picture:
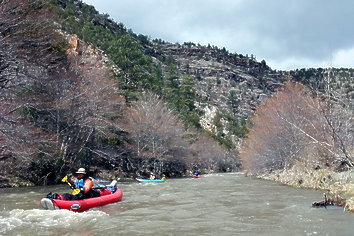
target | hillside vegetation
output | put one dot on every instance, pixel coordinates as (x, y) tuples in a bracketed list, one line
[(79, 89), (65, 103)]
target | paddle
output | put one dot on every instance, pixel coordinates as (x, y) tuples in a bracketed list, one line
[(72, 186)]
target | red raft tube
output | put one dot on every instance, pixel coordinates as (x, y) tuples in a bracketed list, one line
[(107, 197)]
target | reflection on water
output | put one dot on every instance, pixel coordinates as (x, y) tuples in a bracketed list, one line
[(216, 204)]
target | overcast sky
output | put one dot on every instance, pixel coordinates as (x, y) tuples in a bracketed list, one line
[(287, 34)]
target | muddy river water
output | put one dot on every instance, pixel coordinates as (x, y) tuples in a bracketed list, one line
[(215, 204)]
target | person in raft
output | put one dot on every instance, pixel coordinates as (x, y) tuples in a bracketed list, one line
[(152, 176), (84, 184)]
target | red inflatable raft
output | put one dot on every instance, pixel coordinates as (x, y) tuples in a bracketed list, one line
[(82, 205)]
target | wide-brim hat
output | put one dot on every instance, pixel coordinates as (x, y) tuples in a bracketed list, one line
[(81, 171)]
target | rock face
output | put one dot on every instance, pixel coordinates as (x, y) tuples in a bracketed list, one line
[(227, 83), (224, 82), (235, 84)]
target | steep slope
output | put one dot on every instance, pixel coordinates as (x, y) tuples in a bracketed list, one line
[(79, 89), (65, 102), (54, 93), (336, 83), (211, 87), (224, 82)]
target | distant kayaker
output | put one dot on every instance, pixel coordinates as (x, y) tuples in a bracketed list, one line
[(152, 176), (196, 175), (84, 184)]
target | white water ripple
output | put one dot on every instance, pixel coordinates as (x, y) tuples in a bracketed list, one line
[(36, 218)]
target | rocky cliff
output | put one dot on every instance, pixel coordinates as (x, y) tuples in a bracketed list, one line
[(224, 82)]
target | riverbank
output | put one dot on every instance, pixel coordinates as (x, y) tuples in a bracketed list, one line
[(339, 185), (10, 181)]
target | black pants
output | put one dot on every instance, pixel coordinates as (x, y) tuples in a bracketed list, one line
[(90, 194)]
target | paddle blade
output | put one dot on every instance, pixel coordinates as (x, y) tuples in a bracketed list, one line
[(76, 191), (65, 179)]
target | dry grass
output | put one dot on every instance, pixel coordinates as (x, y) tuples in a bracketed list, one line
[(337, 184)]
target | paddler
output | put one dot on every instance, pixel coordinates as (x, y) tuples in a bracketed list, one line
[(84, 184)]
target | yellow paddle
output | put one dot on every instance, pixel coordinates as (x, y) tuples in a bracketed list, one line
[(72, 186)]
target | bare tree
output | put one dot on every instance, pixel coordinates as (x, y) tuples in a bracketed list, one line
[(87, 100), (57, 100), (208, 155), (157, 133), (165, 146), (26, 54), (293, 126)]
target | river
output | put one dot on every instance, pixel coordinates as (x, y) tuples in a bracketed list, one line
[(215, 204)]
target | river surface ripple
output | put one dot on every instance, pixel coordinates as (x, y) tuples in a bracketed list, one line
[(215, 204)]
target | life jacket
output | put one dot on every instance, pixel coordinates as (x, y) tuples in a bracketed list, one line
[(80, 183)]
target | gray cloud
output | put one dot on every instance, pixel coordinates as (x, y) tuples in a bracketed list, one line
[(287, 34)]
